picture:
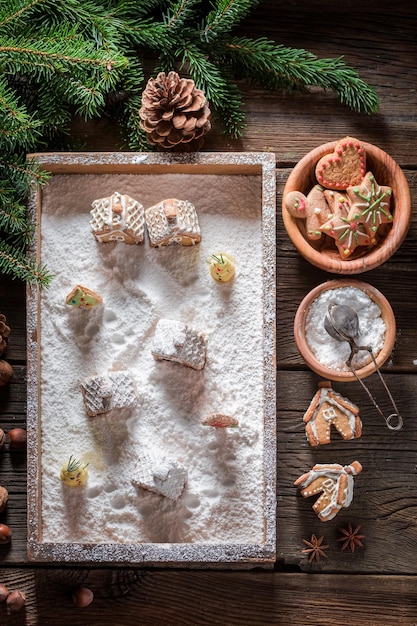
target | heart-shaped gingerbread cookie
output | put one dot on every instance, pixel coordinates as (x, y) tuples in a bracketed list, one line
[(343, 167)]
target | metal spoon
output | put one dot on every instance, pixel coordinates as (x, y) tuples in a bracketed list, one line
[(342, 323)]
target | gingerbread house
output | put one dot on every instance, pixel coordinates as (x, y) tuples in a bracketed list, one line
[(328, 408), (176, 341), (334, 483), (160, 474), (171, 221), (105, 392), (118, 218)]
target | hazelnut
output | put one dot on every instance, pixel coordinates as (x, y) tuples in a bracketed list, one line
[(6, 373), (16, 600), (5, 534), (17, 438), (2, 438), (82, 597), (4, 592), (4, 496), (4, 333)]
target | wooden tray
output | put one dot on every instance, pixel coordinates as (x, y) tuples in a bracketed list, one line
[(220, 185)]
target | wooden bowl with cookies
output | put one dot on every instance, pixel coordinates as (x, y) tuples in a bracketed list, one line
[(346, 206)]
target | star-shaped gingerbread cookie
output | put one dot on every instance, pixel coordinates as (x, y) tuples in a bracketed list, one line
[(348, 234), (370, 204)]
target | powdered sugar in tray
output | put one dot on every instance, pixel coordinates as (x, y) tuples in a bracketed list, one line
[(223, 499)]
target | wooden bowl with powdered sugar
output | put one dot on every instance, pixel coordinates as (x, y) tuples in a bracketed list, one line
[(325, 355)]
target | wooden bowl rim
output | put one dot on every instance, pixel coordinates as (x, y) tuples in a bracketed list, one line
[(376, 256), (299, 330)]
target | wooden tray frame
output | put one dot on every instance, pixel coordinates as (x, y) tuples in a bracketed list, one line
[(146, 554)]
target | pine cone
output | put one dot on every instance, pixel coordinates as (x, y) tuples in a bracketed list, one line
[(174, 112), (4, 333)]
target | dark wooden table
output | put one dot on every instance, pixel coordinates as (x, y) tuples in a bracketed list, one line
[(377, 584)]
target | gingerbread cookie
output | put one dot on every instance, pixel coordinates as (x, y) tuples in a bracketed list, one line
[(333, 482), (338, 202), (313, 208), (296, 204), (328, 408), (370, 204), (220, 420), (344, 167), (83, 298), (348, 234)]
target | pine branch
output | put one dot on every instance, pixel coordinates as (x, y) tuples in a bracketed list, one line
[(179, 14), (15, 263), (222, 94), (21, 173), (277, 67), (146, 34), (226, 15), (12, 214), (17, 127)]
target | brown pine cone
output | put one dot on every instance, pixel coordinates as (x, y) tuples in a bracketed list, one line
[(4, 333), (174, 112)]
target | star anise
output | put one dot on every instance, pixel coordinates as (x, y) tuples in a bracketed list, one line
[(315, 548), (351, 537)]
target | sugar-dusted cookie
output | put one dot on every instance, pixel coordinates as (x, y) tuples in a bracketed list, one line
[(343, 167), (160, 474), (103, 393), (83, 298), (220, 420), (333, 482), (172, 220), (328, 408), (118, 218), (176, 341), (370, 204)]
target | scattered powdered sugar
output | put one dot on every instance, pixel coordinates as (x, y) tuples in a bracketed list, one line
[(333, 353), (223, 500)]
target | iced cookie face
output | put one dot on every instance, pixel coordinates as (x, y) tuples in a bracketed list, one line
[(74, 472)]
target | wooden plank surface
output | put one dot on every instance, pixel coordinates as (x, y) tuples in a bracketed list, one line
[(377, 583)]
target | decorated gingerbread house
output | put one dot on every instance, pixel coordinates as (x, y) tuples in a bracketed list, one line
[(118, 218), (171, 221), (328, 409), (333, 483)]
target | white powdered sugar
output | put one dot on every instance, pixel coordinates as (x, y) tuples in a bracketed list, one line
[(223, 498), (333, 353)]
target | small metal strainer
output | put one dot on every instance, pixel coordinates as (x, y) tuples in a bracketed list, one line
[(342, 323)]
